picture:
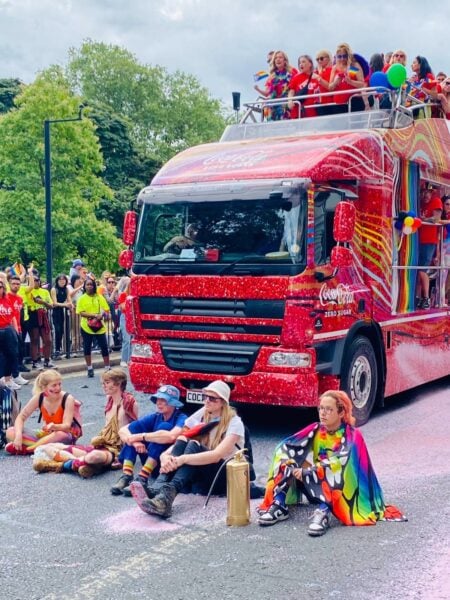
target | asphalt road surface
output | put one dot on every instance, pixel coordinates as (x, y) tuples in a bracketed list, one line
[(63, 537)]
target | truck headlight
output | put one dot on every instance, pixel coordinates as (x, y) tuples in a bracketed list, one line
[(141, 350), (290, 359)]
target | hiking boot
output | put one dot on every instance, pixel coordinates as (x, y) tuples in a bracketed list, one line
[(320, 522), (122, 483), (256, 491), (88, 471), (143, 481), (47, 466), (161, 504), (275, 513)]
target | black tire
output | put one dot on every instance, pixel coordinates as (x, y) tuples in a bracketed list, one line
[(359, 378)]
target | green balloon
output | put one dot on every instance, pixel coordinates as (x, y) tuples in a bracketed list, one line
[(396, 75)]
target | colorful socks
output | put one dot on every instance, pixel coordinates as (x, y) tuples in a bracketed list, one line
[(147, 469), (128, 467)]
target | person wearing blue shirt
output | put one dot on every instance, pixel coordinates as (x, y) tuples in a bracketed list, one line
[(149, 437)]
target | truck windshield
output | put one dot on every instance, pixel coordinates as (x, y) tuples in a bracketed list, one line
[(255, 236)]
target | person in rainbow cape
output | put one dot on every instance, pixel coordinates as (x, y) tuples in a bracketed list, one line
[(340, 478)]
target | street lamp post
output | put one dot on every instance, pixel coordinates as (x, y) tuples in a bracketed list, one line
[(48, 190)]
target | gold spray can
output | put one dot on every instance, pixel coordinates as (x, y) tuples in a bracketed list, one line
[(238, 491)]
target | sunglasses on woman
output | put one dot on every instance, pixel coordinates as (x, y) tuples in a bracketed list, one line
[(341, 56)]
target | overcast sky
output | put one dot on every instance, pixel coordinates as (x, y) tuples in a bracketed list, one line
[(222, 42)]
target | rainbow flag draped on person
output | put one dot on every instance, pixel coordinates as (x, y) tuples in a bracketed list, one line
[(345, 481)]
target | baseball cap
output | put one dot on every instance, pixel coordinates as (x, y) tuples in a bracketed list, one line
[(169, 393), (220, 388), (78, 263)]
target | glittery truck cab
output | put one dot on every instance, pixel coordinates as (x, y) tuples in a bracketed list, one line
[(279, 260)]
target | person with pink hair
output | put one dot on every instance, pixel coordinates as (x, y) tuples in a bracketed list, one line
[(327, 462)]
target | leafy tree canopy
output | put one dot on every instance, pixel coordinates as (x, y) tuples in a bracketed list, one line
[(9, 88), (77, 187)]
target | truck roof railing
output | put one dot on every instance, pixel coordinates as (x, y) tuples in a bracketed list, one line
[(403, 109)]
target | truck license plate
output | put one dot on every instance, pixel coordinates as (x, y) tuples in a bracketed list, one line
[(194, 396)]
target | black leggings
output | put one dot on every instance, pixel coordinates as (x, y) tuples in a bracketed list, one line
[(88, 339), (195, 479)]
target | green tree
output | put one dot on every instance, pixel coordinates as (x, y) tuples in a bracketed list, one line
[(77, 187), (167, 113), (9, 88)]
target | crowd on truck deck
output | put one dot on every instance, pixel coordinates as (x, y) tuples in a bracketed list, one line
[(340, 77)]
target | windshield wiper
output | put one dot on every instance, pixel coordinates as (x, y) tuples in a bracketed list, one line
[(228, 267), (159, 262)]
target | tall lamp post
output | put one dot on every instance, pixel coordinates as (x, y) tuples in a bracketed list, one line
[(48, 190)]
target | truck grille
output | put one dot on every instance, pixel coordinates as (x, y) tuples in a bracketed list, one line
[(209, 357), (199, 311)]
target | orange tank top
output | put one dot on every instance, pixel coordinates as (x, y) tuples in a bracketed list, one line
[(57, 417)]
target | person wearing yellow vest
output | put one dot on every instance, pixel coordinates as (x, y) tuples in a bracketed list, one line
[(39, 302), (93, 306)]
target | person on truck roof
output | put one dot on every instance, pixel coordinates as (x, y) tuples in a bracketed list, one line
[(328, 462)]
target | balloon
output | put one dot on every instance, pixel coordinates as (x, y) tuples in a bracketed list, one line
[(409, 221), (379, 79), (398, 225), (407, 230), (417, 223), (396, 75)]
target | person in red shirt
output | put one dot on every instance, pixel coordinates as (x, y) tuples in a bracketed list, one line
[(431, 211), (322, 76), (305, 85), (17, 302), (347, 74), (8, 337)]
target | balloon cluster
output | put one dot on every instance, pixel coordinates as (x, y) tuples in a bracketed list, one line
[(407, 222), (394, 77)]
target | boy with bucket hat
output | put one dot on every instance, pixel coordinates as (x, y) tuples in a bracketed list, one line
[(149, 437)]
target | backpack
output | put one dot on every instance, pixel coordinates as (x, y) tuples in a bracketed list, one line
[(76, 428), (9, 409)]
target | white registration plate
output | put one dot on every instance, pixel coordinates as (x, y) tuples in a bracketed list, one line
[(194, 396)]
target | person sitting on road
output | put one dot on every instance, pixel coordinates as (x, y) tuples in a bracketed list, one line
[(183, 242), (120, 410), (210, 437), (148, 437), (340, 477), (57, 408)]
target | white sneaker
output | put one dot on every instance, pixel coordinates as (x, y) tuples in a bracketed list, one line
[(124, 364), (12, 385), (21, 380)]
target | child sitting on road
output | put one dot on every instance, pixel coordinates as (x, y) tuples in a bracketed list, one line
[(59, 411), (120, 410)]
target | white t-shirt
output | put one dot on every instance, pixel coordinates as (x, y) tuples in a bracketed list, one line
[(235, 426)]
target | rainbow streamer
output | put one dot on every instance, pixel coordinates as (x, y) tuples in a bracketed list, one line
[(408, 251)]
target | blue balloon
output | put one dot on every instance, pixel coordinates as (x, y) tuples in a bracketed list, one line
[(379, 80)]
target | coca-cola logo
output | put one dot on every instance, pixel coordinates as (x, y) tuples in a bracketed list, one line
[(341, 294)]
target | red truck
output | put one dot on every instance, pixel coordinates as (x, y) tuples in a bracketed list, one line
[(272, 260)]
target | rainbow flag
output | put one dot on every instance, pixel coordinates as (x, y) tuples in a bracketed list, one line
[(260, 75)]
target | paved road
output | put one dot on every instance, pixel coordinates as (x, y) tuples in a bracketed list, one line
[(63, 537)]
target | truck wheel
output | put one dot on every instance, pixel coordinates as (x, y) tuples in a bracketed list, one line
[(359, 378)]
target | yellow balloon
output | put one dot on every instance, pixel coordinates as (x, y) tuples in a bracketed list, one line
[(409, 221)]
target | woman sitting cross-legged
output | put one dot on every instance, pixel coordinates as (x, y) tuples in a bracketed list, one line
[(120, 410), (195, 462), (341, 479), (59, 411)]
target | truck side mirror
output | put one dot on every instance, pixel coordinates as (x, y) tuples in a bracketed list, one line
[(344, 222), (129, 227), (341, 257), (126, 258)]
